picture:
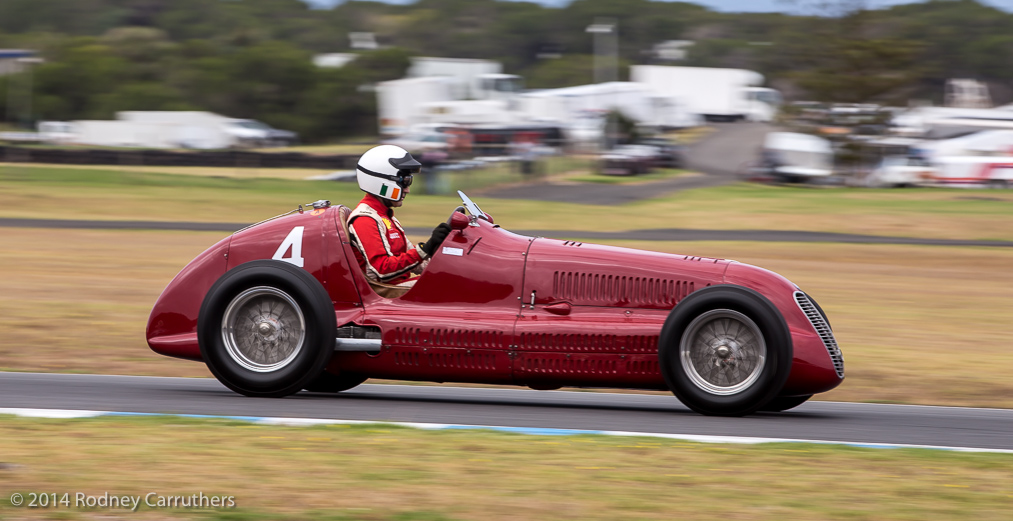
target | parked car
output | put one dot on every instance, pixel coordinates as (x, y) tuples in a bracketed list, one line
[(669, 153), (252, 133), (901, 171), (629, 160), (283, 306)]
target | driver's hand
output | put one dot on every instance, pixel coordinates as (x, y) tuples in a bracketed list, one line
[(436, 239)]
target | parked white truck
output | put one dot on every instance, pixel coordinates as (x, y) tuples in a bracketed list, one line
[(712, 93), (467, 79), (166, 129), (636, 101), (405, 103)]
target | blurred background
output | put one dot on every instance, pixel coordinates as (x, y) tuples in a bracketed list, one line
[(862, 149), (882, 89)]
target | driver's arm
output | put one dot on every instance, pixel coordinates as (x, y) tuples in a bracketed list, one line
[(381, 261)]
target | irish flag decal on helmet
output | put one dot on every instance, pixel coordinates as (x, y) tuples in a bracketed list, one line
[(394, 194)]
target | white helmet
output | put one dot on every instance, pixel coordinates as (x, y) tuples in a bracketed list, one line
[(385, 171)]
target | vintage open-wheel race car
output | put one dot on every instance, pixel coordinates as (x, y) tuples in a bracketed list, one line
[(283, 306)]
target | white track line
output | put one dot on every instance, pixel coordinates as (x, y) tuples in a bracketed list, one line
[(305, 422)]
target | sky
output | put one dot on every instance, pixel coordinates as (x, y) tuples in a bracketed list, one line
[(733, 5)]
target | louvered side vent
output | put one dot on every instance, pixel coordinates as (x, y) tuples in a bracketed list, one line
[(554, 365), (596, 288), (567, 342), (407, 336), (465, 338), (589, 343), (462, 360), (823, 328), (412, 359), (643, 367)]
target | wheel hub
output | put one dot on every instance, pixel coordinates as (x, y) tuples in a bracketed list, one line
[(268, 328), (263, 329), (722, 352)]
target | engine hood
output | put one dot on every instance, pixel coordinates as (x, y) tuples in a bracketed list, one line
[(596, 275)]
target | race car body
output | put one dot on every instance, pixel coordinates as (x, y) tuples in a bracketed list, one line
[(283, 306)]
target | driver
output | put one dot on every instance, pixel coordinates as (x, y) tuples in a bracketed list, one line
[(384, 252)]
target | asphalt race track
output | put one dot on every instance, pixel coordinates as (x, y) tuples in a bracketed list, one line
[(819, 421)]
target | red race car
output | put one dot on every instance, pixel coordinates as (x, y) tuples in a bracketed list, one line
[(283, 306)]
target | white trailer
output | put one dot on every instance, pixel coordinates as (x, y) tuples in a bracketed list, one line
[(399, 102), (111, 133), (464, 76), (166, 129), (467, 112), (713, 93), (981, 158), (189, 129), (634, 100)]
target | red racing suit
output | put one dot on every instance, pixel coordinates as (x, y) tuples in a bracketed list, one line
[(383, 250)]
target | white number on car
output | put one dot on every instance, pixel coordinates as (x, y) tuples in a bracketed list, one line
[(293, 241)]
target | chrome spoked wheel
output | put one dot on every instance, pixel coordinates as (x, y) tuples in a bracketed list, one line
[(263, 329), (723, 352)]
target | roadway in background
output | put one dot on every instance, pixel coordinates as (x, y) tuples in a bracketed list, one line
[(719, 157)]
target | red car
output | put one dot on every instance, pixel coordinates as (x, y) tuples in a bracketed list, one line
[(283, 306)]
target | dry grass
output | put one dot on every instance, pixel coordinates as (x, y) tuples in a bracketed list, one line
[(78, 300), (379, 473), (917, 324)]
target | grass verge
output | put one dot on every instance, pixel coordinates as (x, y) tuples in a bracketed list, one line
[(109, 194), (379, 472)]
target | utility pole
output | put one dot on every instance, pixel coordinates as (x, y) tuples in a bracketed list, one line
[(606, 64), (30, 64)]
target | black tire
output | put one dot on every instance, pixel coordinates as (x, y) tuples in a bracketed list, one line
[(334, 383), (755, 319), (783, 403), (299, 313)]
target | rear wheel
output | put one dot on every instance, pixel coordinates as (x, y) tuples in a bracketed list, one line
[(266, 328), (725, 350)]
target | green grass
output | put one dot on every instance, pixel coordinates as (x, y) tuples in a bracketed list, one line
[(930, 213), (380, 472)]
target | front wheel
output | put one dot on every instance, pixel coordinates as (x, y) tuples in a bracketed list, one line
[(266, 328), (725, 350)]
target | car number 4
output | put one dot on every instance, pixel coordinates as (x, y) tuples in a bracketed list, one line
[(293, 241)]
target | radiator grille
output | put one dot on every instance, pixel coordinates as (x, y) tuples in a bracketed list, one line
[(823, 328)]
